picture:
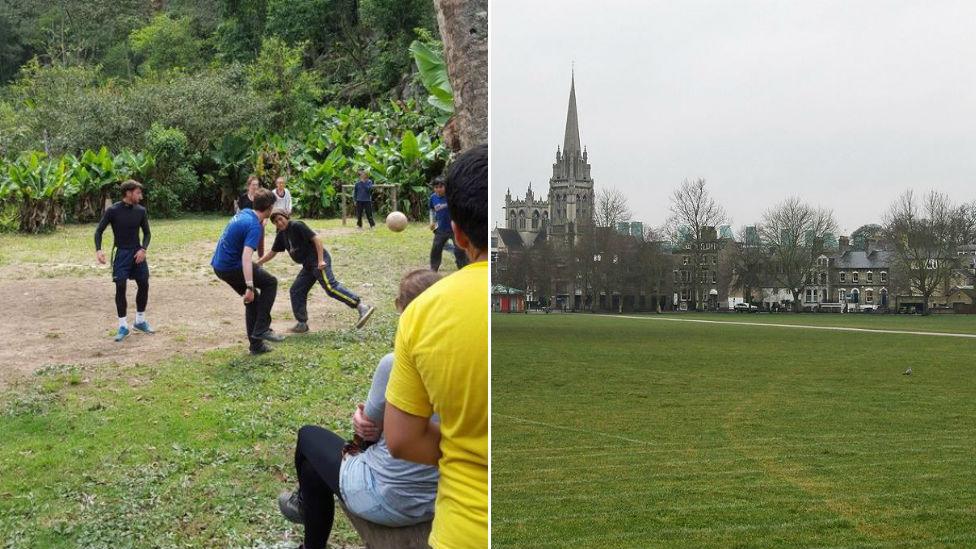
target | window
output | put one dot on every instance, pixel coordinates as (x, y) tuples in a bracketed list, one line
[(855, 276), (684, 294), (843, 277), (870, 276), (869, 296), (884, 276), (684, 260), (823, 278), (714, 278)]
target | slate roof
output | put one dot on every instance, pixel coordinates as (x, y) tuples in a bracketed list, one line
[(856, 259), (511, 239)]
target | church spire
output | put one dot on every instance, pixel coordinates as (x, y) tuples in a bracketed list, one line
[(571, 143)]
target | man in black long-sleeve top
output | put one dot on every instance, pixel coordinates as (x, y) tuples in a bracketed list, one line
[(127, 217)]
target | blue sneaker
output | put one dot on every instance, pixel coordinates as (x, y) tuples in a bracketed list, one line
[(143, 327), (122, 334)]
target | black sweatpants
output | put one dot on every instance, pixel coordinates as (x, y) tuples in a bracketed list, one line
[(257, 313), (318, 457), (142, 296), (367, 208), (307, 277), (437, 250)]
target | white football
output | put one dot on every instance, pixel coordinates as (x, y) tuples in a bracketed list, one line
[(396, 221)]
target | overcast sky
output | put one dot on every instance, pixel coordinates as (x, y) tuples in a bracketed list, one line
[(845, 104)]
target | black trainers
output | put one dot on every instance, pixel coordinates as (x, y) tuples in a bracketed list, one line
[(291, 506), (261, 349), (365, 311), (269, 335), (299, 328)]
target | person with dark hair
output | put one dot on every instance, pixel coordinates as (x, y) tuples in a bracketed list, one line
[(440, 223), (363, 195), (233, 263), (433, 373), (127, 217), (306, 249), (246, 200), (371, 483)]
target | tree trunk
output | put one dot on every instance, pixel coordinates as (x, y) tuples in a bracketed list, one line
[(464, 30)]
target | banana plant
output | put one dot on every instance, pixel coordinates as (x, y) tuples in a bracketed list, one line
[(433, 75), (40, 185)]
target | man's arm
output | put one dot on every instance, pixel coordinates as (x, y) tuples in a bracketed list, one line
[(319, 251), (248, 269), (411, 437), (99, 254), (266, 257), (146, 236)]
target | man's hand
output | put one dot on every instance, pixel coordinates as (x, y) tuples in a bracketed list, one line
[(100, 256), (248, 296), (363, 426), (321, 265), (140, 255), (433, 226)]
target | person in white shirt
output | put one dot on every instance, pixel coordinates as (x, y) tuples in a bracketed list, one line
[(282, 196)]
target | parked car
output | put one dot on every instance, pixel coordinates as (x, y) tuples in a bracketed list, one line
[(745, 308)]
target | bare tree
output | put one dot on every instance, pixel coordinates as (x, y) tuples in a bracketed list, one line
[(611, 208), (925, 233), (793, 234), (464, 30), (694, 216), (741, 264)]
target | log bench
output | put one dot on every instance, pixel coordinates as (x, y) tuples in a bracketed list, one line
[(376, 536)]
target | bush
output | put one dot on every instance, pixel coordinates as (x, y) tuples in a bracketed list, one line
[(172, 180)]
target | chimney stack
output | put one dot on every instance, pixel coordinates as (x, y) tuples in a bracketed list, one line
[(843, 244)]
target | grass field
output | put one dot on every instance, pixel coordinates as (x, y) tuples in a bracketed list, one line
[(619, 432), (169, 449)]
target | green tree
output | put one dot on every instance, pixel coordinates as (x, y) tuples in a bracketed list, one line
[(166, 43), (279, 77)]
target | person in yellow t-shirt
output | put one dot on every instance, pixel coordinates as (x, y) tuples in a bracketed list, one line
[(441, 366)]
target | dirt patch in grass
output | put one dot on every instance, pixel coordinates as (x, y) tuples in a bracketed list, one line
[(72, 320)]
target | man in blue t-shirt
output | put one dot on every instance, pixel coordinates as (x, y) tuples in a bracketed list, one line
[(363, 194), (233, 263), (440, 223)]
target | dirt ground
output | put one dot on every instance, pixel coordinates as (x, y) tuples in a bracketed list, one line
[(72, 320)]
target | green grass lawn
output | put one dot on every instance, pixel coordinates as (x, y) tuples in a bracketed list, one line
[(617, 432), (185, 452), (946, 323)]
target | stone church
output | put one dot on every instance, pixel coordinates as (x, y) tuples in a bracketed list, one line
[(570, 198)]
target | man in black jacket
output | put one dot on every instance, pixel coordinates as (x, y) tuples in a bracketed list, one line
[(127, 217), (306, 249)]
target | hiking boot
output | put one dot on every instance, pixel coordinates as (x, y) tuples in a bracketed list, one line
[(299, 328), (269, 335), (365, 311), (291, 506), (261, 349), (143, 327), (121, 334)]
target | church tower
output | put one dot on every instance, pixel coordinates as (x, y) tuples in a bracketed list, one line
[(570, 187)]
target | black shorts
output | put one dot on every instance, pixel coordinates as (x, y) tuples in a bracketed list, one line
[(124, 266)]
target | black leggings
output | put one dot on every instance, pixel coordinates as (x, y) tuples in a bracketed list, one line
[(142, 296), (318, 456)]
